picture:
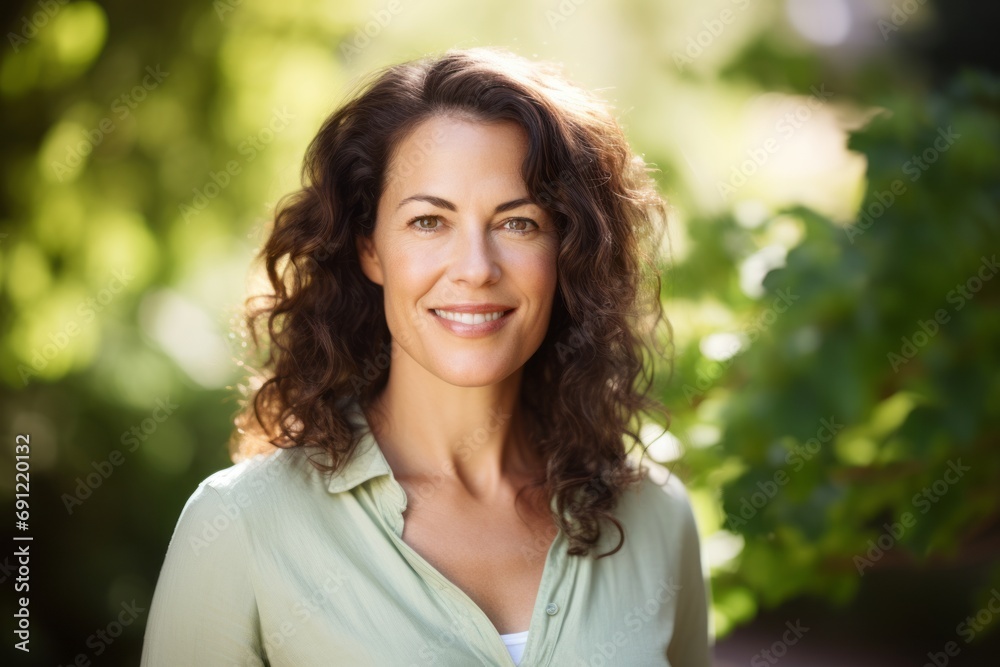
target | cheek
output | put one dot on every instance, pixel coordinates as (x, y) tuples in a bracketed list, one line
[(537, 273), (409, 276)]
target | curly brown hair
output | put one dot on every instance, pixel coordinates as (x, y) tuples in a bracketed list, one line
[(329, 342)]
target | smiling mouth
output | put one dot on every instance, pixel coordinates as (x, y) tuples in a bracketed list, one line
[(470, 318)]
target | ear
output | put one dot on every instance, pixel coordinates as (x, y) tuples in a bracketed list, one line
[(371, 266)]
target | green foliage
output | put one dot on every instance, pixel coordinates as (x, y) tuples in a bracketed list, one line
[(133, 202), (873, 400)]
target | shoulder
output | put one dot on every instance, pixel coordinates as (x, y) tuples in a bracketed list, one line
[(254, 496), (271, 472), (664, 489), (663, 482), (265, 484), (660, 504)]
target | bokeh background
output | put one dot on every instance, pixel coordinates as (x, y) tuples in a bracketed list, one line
[(832, 285)]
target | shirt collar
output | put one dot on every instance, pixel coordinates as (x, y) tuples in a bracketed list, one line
[(367, 460)]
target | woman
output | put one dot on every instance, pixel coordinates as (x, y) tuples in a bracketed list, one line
[(462, 292)]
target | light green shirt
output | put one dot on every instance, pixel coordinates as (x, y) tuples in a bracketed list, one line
[(272, 563)]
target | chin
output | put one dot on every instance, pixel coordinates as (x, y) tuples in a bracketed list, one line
[(475, 373)]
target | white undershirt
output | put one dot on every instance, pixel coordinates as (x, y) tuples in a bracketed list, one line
[(515, 642)]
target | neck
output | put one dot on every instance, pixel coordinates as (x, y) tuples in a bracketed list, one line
[(467, 438)]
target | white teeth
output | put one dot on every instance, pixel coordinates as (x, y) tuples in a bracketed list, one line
[(469, 318)]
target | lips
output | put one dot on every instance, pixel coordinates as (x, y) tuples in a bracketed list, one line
[(484, 320), (468, 317), (474, 307)]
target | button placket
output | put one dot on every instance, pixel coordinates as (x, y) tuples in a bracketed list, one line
[(391, 500), (474, 617), (558, 571)]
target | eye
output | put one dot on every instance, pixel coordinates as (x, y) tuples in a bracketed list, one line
[(415, 222), (518, 221)]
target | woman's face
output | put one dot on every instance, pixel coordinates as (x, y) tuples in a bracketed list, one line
[(455, 232)]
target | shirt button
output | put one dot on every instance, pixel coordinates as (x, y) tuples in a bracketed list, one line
[(551, 609)]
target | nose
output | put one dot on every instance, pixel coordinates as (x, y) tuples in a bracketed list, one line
[(474, 256)]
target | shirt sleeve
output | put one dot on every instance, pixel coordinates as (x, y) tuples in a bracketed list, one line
[(204, 611), (691, 645)]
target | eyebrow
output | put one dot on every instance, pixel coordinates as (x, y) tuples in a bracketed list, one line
[(444, 203)]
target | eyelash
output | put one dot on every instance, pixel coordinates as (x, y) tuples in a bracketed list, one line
[(519, 232)]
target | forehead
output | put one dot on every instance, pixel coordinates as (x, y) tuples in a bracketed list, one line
[(453, 152)]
